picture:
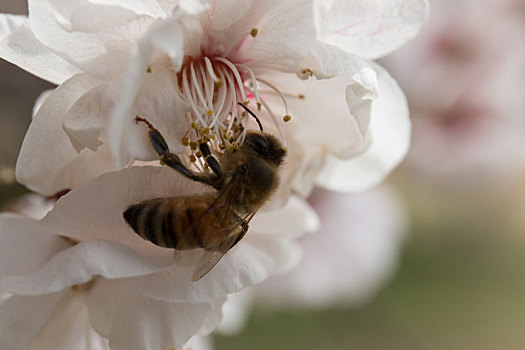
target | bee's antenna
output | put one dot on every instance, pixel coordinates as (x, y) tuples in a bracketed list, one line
[(252, 114)]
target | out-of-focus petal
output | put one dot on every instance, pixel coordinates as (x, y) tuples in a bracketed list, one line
[(132, 321), (389, 135), (47, 149), (80, 263), (22, 317), (351, 256), (23, 49), (69, 328), (369, 29), (21, 237)]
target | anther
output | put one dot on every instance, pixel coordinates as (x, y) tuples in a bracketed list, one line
[(287, 118), (193, 159), (254, 32)]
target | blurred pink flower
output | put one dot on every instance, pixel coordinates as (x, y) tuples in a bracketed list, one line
[(464, 80)]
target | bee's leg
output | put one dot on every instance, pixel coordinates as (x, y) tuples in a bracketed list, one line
[(170, 159), (210, 160)]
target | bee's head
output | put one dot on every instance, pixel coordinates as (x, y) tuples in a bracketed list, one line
[(265, 145)]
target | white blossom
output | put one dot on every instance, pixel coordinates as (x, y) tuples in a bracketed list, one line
[(235, 51), (184, 66), (137, 295)]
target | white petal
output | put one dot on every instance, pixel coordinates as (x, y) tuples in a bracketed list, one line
[(10, 23), (147, 7), (167, 37), (286, 30), (40, 101), (369, 29), (22, 317), (327, 61), (100, 54), (94, 211), (47, 149), (24, 247), (80, 263), (193, 7), (225, 12), (253, 260), (24, 50), (132, 321), (389, 135), (236, 311), (69, 327), (290, 221), (349, 258)]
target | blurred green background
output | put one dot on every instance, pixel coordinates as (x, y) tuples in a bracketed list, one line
[(460, 285)]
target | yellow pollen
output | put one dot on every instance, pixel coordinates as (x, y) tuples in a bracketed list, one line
[(205, 131), (193, 159), (254, 32), (184, 140), (287, 118), (222, 146), (209, 112), (193, 125)]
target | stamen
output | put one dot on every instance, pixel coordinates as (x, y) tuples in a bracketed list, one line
[(236, 75), (210, 70), (275, 122), (274, 88), (187, 93), (254, 84), (196, 84)]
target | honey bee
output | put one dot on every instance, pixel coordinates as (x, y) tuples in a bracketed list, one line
[(244, 180)]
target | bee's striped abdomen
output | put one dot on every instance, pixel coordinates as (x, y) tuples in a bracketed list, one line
[(178, 222)]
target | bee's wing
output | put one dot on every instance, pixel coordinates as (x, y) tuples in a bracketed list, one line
[(232, 233), (211, 258)]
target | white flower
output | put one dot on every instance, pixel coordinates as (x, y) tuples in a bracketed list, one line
[(184, 66), (137, 295), (200, 66)]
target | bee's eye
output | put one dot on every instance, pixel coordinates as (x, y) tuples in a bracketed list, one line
[(259, 142)]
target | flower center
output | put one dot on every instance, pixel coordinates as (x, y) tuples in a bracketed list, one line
[(213, 86)]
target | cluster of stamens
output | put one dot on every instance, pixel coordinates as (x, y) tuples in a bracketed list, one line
[(214, 86)]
